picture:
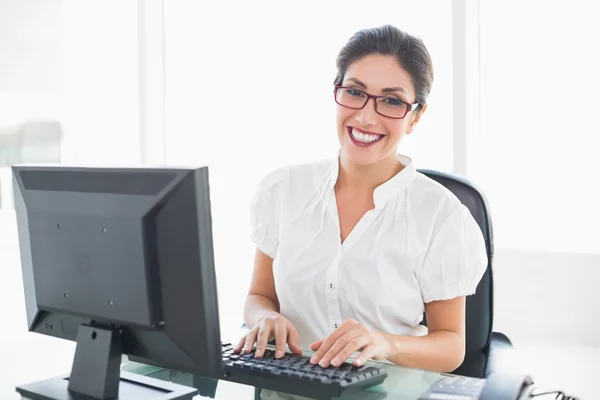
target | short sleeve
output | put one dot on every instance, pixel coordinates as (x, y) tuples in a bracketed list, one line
[(265, 212), (456, 259)]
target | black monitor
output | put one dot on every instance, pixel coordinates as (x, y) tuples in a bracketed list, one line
[(119, 260)]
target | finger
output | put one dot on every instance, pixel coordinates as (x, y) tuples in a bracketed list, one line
[(293, 341), (365, 355), (329, 341), (240, 344), (262, 340), (314, 346), (353, 345), (250, 339), (280, 340), (337, 347)]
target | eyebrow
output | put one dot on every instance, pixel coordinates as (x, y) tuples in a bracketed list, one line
[(386, 90)]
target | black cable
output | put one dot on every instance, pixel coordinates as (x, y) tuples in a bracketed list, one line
[(559, 395)]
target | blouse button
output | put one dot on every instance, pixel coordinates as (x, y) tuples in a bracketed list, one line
[(331, 286)]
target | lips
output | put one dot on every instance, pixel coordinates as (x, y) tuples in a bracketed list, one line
[(363, 138)]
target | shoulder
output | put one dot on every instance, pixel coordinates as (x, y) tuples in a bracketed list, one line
[(432, 193), (433, 204), (297, 176)]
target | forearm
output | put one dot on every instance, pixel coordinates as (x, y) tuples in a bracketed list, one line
[(258, 307), (441, 351)]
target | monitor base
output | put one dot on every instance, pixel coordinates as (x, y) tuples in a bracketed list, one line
[(131, 387)]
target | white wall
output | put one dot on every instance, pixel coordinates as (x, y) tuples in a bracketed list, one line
[(99, 90), (540, 130), (29, 46), (547, 297), (538, 168)]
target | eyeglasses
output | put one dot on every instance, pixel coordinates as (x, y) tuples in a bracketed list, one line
[(388, 106)]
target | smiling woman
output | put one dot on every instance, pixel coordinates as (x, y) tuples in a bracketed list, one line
[(331, 233), (261, 96)]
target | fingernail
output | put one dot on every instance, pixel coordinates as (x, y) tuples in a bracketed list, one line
[(313, 360), (335, 362), (323, 363), (279, 353), (358, 362)]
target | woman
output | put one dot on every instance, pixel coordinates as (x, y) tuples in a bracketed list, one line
[(352, 251)]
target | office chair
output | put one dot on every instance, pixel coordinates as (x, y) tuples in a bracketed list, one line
[(486, 351)]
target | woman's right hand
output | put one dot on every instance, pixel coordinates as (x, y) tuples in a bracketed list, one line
[(266, 328)]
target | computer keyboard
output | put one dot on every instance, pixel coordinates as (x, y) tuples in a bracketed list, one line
[(296, 375)]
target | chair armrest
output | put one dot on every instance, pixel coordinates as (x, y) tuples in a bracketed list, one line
[(502, 356)]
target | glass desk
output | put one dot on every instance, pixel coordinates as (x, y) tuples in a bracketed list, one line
[(401, 384)]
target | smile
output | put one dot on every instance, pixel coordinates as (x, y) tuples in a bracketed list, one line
[(363, 139)]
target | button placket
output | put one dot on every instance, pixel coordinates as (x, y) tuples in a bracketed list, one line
[(331, 292)]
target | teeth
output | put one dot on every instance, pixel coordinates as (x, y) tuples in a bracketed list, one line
[(363, 137)]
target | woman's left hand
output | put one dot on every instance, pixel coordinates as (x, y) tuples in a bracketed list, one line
[(351, 336)]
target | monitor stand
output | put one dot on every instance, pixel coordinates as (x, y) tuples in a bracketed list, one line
[(96, 374)]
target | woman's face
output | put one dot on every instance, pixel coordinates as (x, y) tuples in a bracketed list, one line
[(367, 137)]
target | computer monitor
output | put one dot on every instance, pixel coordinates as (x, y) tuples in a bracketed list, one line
[(119, 260)]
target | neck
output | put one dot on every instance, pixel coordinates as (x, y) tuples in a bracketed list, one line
[(367, 177)]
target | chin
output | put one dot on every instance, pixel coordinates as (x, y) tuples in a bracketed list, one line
[(359, 156)]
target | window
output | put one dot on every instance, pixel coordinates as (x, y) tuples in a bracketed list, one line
[(68, 86), (69, 94), (29, 87), (539, 124), (100, 92)]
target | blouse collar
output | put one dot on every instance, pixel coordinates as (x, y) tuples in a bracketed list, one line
[(390, 188)]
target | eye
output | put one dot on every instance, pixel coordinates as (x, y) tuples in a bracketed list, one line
[(355, 92), (392, 101)]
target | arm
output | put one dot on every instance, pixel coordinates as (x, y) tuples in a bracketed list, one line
[(261, 313), (262, 299), (454, 264), (443, 348)]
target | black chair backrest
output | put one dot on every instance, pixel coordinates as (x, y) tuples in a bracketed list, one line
[(480, 310)]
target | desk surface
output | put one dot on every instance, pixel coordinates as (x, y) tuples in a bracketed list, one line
[(401, 384)]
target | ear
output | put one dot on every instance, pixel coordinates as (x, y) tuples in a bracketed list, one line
[(415, 120)]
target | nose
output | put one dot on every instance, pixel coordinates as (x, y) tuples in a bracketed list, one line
[(367, 115)]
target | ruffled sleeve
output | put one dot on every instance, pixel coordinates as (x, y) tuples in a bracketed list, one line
[(455, 260), (265, 212)]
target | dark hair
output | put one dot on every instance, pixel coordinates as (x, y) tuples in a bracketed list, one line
[(387, 40)]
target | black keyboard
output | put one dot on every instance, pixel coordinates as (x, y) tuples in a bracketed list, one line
[(296, 375)]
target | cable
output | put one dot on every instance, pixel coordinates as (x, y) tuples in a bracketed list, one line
[(559, 395)]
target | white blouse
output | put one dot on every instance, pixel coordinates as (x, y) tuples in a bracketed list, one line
[(418, 244)]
